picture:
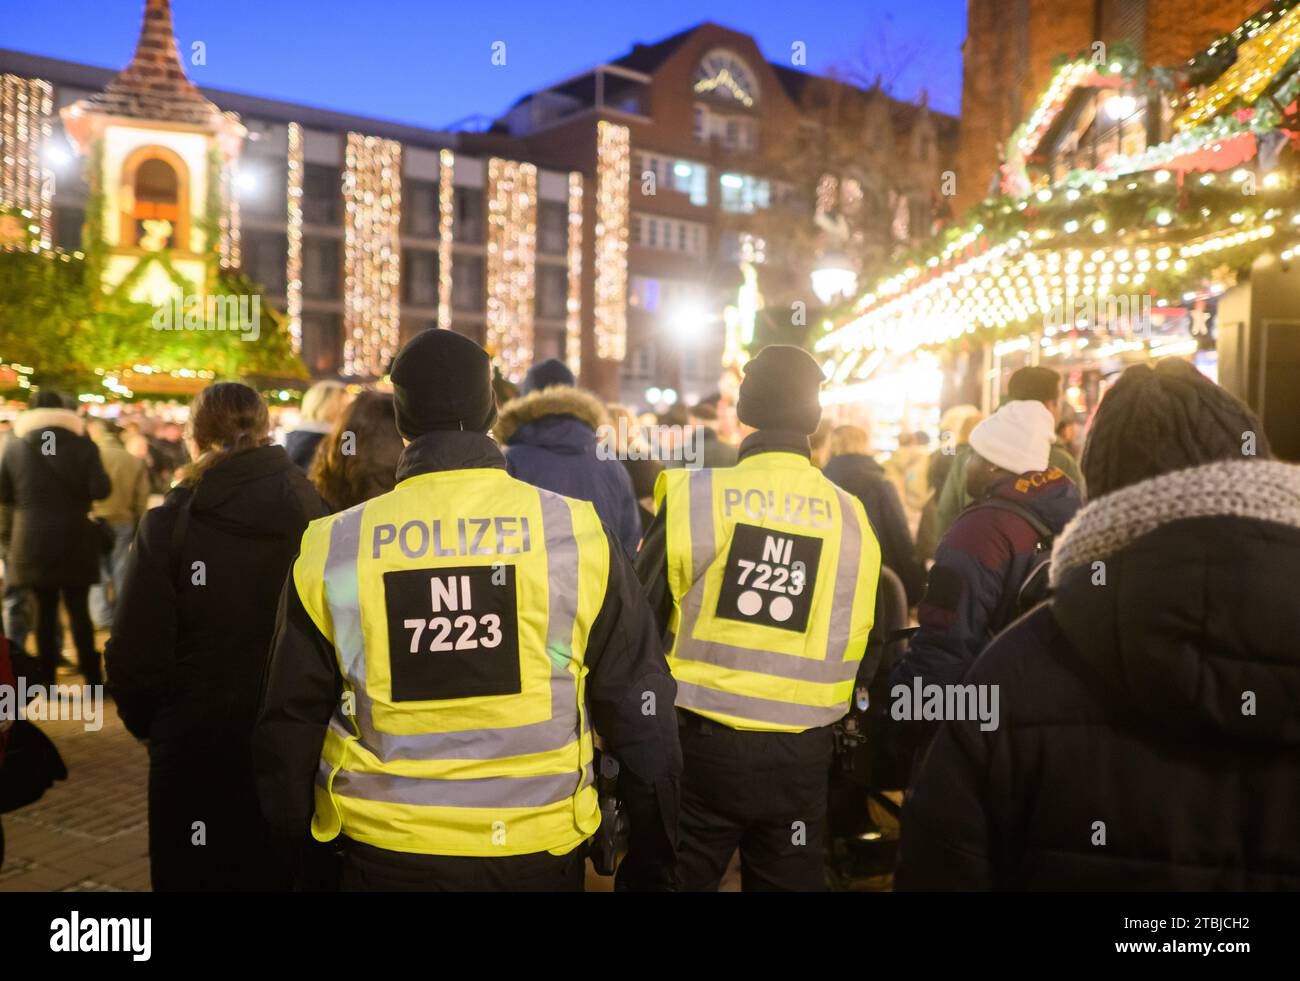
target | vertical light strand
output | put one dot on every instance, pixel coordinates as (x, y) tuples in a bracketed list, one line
[(511, 263), (230, 251), (573, 305), (372, 254), (26, 107), (613, 170), (293, 255), (446, 229)]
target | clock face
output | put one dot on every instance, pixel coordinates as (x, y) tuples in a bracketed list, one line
[(724, 76)]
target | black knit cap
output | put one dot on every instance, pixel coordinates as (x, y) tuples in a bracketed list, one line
[(442, 380), (1159, 419), (780, 390)]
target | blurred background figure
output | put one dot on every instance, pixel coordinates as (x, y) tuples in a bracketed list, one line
[(549, 436), (907, 469), (703, 418), (49, 476), (1067, 431), (852, 467), (190, 640), (359, 459), (819, 441), (627, 439), (954, 434), (322, 404), (121, 510)]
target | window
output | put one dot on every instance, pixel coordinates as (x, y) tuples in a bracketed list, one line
[(552, 227), (320, 268), (655, 295), (552, 291), (322, 342), (420, 277), (671, 234), (420, 208), (322, 195), (67, 227), (468, 225), (467, 289), (267, 199), (735, 132), (684, 176), (157, 189), (744, 194), (263, 258)]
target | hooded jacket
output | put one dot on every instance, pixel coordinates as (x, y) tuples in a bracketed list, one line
[(550, 440), (979, 567), (1149, 730), (45, 533)]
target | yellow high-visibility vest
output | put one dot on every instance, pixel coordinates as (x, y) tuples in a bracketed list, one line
[(459, 606), (773, 572)]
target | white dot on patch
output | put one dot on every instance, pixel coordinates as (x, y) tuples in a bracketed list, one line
[(781, 609), (749, 602)]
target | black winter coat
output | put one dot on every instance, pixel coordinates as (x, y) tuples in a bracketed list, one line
[(865, 479), (190, 641), (45, 534), (1149, 715)]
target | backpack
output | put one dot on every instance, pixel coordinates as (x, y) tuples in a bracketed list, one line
[(1034, 588)]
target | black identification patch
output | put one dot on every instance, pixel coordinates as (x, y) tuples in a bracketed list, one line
[(452, 633), (770, 577)]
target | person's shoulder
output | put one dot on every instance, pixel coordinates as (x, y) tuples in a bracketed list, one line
[(1033, 664)]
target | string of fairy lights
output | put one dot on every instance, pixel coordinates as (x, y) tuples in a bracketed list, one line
[(613, 172), (229, 222), (372, 254), (26, 108), (511, 253), (573, 303), (446, 230), (293, 254)]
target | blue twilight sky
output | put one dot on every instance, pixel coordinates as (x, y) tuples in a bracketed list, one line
[(429, 62)]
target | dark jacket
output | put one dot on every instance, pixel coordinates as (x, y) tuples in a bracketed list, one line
[(623, 657), (865, 479), (953, 498), (301, 445), (1155, 700), (978, 569), (550, 440), (45, 534), (189, 646)]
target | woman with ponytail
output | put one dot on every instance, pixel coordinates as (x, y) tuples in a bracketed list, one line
[(190, 641)]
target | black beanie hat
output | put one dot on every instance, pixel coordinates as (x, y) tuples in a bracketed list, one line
[(546, 374), (780, 390), (442, 380), (1159, 419)]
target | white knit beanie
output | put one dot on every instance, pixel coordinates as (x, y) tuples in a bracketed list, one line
[(1018, 437)]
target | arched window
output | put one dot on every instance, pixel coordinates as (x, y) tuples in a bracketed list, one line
[(156, 191)]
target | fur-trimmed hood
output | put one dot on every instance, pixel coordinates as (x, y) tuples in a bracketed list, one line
[(559, 400), (35, 420)]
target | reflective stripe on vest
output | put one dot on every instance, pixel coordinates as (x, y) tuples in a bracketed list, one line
[(499, 774), (750, 675)]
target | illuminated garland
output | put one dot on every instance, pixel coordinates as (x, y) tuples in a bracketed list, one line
[(293, 255), (26, 105), (446, 230), (573, 304), (372, 254), (511, 266), (1259, 59), (613, 171), (230, 230)]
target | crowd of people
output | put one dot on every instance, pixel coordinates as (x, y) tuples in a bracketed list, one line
[(1129, 613)]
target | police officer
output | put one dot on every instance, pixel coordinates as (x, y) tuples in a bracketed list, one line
[(443, 653), (763, 578)]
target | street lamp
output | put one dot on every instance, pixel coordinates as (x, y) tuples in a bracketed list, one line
[(834, 278)]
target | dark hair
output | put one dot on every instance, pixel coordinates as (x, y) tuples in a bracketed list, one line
[(1034, 384), (48, 398), (225, 418), (1155, 420), (369, 468), (705, 411)]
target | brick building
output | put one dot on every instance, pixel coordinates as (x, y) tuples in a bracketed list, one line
[(1011, 46)]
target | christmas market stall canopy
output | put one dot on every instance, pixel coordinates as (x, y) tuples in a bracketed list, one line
[(1073, 229)]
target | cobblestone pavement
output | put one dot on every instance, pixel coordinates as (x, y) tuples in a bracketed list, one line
[(89, 832)]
